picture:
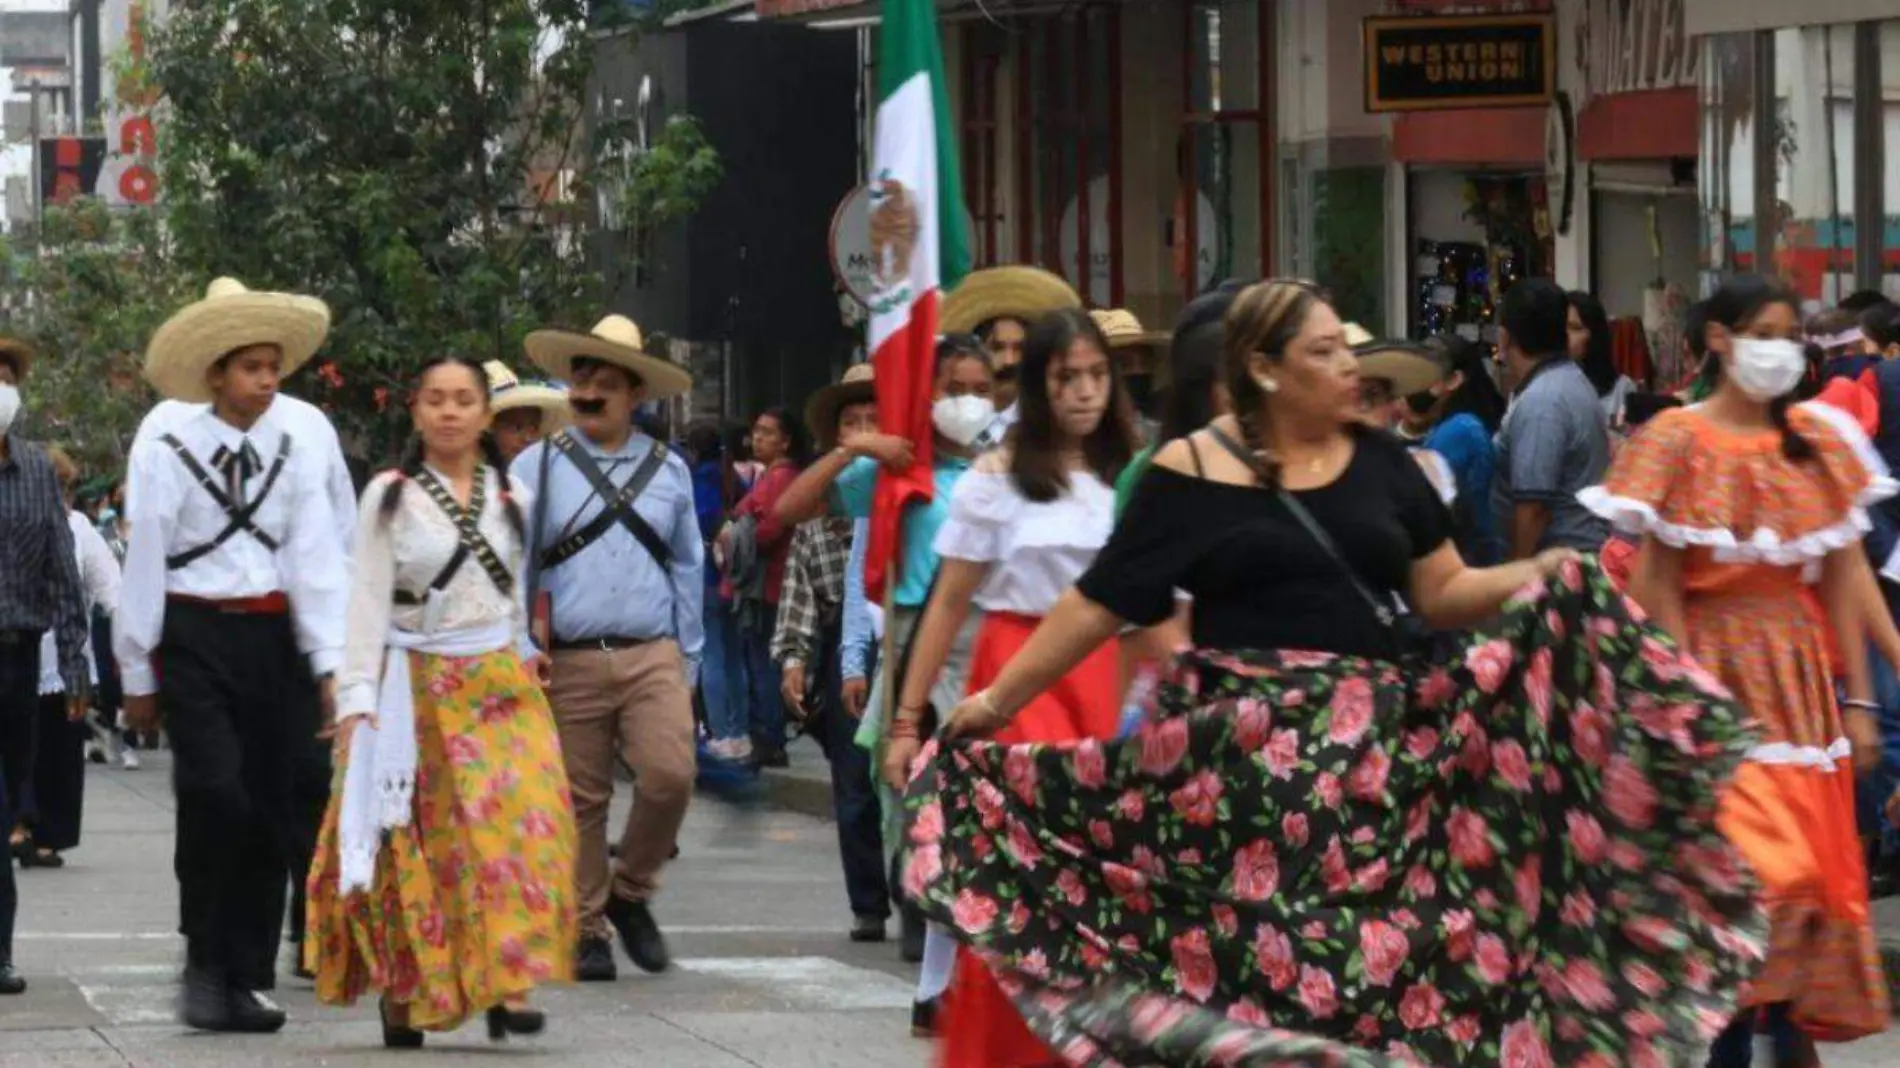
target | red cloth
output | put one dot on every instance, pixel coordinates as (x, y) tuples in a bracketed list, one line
[(1629, 351), (1618, 557), (1859, 398), (774, 538), (981, 1027), (906, 369)]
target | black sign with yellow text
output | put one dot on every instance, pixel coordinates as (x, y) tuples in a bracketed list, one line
[(1461, 61)]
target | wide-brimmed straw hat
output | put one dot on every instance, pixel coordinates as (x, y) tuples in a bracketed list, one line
[(18, 353), (615, 340), (231, 317), (858, 386), (999, 292), (508, 393), (1408, 365), (1124, 331), (1357, 335)]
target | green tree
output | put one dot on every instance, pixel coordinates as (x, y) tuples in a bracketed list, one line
[(422, 165)]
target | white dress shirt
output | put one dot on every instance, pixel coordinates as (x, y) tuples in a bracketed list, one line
[(99, 578), (306, 424), (172, 514), (1036, 550), (408, 553)]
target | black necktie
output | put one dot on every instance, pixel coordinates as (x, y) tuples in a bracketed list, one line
[(237, 467)]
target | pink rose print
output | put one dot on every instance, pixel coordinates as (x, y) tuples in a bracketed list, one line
[(1369, 775), (1131, 805), (1421, 743), (922, 866), (1384, 949), (989, 804), (1293, 828), (1587, 986), (1461, 931), (1326, 785), (1666, 662), (1494, 960), (1283, 754), (1193, 964), (1293, 699), (463, 749), (1352, 711), (973, 912), (1273, 956), (1163, 745), (1372, 878), (1420, 882), (1070, 886), (1437, 689), (1644, 979), (1022, 845), (1090, 764), (1226, 920), (1537, 684), (1019, 771), (1629, 795), (1590, 735), (1333, 869), (1464, 1030), (1256, 874), (1129, 886), (1587, 841), (1018, 917), (1523, 1047), (1528, 883), (1490, 663), (1317, 994), (927, 828), (1248, 1012), (1102, 834), (1578, 910), (1421, 1007), (1511, 765), (1198, 800), (538, 823), (1253, 724), (1470, 839)]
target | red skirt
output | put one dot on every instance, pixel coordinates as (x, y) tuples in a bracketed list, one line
[(980, 1025)]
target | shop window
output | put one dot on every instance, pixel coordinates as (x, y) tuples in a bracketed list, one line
[(1812, 228), (1884, 159), (1727, 173), (1225, 160)]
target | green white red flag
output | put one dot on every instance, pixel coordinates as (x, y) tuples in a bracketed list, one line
[(920, 250)]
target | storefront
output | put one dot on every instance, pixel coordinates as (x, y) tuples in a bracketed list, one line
[(1800, 116)]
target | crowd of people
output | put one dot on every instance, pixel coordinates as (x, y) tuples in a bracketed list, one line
[(1359, 701)]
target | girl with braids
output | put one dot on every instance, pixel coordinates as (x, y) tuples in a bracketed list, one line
[(1319, 848), (445, 873), (1751, 510)]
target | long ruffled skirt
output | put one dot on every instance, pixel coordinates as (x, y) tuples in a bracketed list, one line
[(1310, 860), (474, 902)]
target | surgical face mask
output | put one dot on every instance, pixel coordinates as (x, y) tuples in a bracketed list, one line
[(962, 419), (1765, 369), (9, 406)]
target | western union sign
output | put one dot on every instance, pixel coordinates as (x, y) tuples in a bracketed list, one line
[(1463, 61)]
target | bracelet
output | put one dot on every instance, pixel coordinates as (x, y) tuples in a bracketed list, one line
[(1867, 706), (987, 701), (904, 728)]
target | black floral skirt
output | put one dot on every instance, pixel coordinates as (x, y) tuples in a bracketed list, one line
[(1305, 859)]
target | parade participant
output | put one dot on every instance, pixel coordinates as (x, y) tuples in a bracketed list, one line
[(1456, 419), (1024, 524), (1318, 850), (524, 412), (1138, 355), (232, 542), (445, 875), (57, 788), (1389, 372), (614, 543), (1735, 498), (843, 482), (997, 304), (808, 647)]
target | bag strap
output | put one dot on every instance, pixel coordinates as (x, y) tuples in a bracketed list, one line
[(1383, 611)]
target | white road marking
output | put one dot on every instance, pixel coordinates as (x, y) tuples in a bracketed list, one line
[(819, 982), (124, 999)]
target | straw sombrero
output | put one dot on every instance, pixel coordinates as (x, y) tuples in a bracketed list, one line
[(1124, 331), (507, 393), (615, 340), (821, 412), (995, 292), (1409, 366), (1357, 335), (18, 353), (231, 317)]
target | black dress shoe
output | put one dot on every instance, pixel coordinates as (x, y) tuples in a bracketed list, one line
[(206, 1005), (911, 946), (397, 1036), (923, 1018), (10, 981), (594, 961), (252, 1013), (639, 935), (504, 1021), (868, 929)]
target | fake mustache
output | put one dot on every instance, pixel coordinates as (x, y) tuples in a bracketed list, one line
[(588, 405)]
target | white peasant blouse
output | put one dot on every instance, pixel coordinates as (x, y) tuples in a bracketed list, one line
[(1036, 550)]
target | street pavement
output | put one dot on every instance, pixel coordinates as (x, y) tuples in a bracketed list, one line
[(754, 909), (755, 912)]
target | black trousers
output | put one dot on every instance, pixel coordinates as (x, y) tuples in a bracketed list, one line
[(19, 715), (853, 798), (225, 683), (312, 798), (57, 793), (19, 691)]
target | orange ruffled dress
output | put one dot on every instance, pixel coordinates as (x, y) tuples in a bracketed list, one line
[(1755, 526)]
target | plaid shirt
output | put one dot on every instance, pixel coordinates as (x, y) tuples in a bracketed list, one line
[(814, 587), (39, 572)]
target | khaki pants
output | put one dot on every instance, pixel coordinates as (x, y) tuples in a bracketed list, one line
[(634, 703)]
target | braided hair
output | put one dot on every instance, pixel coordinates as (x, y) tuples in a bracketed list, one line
[(1737, 303), (410, 465), (1264, 320)]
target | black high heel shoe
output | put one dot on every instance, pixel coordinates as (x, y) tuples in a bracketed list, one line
[(504, 1021), (394, 1036)]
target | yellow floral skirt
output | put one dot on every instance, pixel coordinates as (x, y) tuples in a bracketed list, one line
[(473, 903)]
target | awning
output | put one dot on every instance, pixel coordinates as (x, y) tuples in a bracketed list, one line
[(1511, 137), (1654, 124)]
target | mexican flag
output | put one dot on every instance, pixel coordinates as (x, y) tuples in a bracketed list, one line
[(920, 251)]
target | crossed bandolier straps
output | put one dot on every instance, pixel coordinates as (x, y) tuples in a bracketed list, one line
[(468, 529), (616, 505), (241, 515)]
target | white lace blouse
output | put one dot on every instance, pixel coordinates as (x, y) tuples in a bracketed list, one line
[(1036, 550), (408, 553)]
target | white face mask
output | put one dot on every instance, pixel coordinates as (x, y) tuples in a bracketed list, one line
[(9, 406), (1766, 370), (962, 419)]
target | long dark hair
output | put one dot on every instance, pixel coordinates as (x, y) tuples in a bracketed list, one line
[(1733, 306), (797, 442), (1597, 365), (411, 464), (1036, 461), (1477, 392), (1264, 319)]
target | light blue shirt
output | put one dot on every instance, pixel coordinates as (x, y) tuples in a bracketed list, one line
[(854, 649), (851, 495), (614, 588)]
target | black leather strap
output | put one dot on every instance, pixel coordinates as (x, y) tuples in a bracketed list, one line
[(617, 505), (238, 518)]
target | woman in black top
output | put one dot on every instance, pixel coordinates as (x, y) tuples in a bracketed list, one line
[(1479, 863)]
